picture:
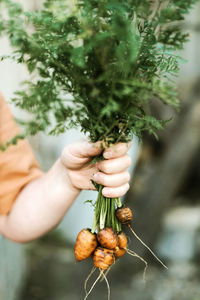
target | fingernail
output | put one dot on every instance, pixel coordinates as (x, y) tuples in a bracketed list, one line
[(106, 191), (107, 154)]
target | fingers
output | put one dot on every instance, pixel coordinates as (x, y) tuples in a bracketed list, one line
[(116, 165), (113, 180), (117, 150), (77, 154), (114, 176), (84, 148), (115, 192), (110, 172)]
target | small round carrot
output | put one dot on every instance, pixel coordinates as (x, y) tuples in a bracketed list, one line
[(122, 245), (85, 245), (124, 215), (103, 258), (122, 240), (119, 252), (107, 238)]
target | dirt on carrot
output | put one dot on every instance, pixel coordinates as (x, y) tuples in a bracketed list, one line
[(124, 215), (108, 238), (122, 245), (103, 258), (85, 245)]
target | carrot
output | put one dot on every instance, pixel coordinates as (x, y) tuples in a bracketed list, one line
[(103, 258), (85, 245), (119, 252), (107, 238), (122, 245), (122, 240), (125, 216)]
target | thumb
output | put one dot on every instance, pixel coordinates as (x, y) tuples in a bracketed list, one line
[(79, 153)]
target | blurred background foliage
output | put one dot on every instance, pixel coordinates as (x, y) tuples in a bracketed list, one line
[(164, 195)]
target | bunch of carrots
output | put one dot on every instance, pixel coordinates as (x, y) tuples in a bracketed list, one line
[(106, 242)]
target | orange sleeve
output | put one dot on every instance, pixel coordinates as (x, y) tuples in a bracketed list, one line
[(18, 165)]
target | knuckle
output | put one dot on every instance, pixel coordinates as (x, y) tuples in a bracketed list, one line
[(104, 167), (127, 176), (124, 147), (64, 154), (120, 148), (127, 187), (104, 180), (99, 166), (129, 160), (122, 190)]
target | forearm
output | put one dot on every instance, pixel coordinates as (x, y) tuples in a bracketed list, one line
[(40, 206)]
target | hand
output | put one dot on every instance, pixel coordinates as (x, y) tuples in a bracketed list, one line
[(42, 203), (111, 173)]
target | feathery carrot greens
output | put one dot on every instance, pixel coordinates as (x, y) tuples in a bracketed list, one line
[(112, 56), (96, 65)]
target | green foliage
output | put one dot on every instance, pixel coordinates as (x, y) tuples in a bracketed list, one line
[(111, 56)]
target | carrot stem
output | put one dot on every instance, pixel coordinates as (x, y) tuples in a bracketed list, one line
[(118, 202), (113, 213), (108, 220), (104, 215), (97, 210)]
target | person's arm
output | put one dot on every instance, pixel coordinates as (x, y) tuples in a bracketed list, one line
[(42, 203)]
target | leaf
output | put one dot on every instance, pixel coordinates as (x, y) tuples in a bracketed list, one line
[(110, 56), (91, 202)]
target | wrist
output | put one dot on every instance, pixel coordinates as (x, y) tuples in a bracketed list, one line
[(65, 179)]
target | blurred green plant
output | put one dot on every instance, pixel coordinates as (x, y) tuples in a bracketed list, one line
[(112, 56)]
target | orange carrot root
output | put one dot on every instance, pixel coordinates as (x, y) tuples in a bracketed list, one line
[(107, 238), (119, 252), (124, 215), (85, 245), (103, 258), (122, 245)]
